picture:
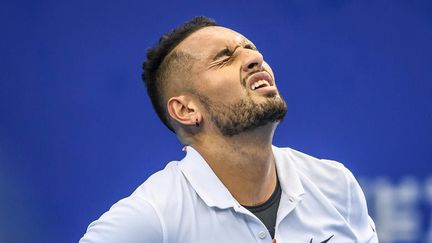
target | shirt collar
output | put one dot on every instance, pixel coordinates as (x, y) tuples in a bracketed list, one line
[(287, 173), (205, 182), (214, 193)]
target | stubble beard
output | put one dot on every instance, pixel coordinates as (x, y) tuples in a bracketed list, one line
[(245, 115)]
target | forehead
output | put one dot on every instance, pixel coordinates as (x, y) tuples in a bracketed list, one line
[(210, 39)]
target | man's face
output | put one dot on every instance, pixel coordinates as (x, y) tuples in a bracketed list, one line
[(232, 81)]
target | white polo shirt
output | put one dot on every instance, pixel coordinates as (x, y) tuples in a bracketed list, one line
[(187, 203)]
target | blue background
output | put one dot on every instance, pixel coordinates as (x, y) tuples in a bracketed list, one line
[(77, 131)]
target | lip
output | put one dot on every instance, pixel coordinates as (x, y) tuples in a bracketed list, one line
[(263, 75)]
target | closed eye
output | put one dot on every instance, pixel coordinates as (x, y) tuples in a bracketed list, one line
[(222, 53)]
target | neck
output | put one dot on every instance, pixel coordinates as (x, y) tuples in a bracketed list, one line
[(244, 163)]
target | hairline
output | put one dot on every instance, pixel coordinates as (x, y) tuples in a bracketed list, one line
[(164, 79)]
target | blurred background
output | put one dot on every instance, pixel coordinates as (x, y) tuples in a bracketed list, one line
[(78, 133)]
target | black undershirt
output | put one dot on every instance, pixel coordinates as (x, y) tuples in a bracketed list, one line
[(267, 211)]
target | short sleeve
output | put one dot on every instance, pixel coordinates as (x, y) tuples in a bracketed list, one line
[(358, 216), (131, 220)]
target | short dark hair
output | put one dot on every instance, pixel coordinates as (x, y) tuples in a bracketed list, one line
[(154, 73)]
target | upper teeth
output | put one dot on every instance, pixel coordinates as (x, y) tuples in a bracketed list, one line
[(259, 83)]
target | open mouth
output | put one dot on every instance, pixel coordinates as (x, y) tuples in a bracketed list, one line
[(260, 84), (260, 80)]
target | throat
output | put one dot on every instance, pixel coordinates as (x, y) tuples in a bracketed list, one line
[(246, 167)]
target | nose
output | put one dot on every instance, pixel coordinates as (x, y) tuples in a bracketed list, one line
[(253, 60)]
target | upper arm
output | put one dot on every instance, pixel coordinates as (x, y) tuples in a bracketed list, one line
[(358, 216), (131, 220)]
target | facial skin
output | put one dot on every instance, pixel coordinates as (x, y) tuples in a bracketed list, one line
[(226, 66), (236, 122)]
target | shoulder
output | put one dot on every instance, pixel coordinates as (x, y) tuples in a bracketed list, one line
[(161, 187), (139, 217), (334, 182), (327, 178), (321, 171), (133, 219)]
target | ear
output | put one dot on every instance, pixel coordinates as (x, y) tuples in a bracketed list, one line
[(183, 110)]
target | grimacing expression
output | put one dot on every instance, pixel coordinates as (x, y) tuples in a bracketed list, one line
[(231, 80)]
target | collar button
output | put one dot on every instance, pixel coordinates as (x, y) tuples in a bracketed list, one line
[(262, 234)]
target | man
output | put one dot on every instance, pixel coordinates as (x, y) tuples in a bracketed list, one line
[(212, 88)]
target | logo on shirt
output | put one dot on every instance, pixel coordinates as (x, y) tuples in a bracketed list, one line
[(325, 241)]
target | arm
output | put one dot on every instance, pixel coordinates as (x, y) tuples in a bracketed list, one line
[(358, 216), (131, 220)]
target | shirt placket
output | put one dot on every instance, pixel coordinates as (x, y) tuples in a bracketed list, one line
[(257, 228), (287, 204)]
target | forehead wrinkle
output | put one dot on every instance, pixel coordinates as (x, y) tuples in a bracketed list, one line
[(206, 42), (230, 44)]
